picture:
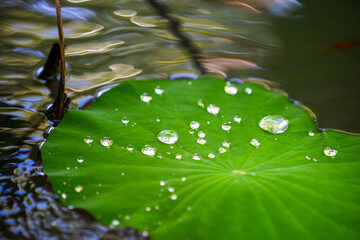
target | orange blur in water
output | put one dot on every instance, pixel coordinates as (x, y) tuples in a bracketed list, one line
[(343, 45)]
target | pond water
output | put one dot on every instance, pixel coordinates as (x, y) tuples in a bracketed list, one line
[(290, 44)]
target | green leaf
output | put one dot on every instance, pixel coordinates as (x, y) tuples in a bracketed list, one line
[(286, 188)]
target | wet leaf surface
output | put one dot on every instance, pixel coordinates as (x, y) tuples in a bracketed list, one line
[(242, 182)]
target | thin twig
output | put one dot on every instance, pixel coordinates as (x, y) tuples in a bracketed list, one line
[(175, 27), (59, 101)]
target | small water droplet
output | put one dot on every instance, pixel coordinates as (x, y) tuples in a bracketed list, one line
[(148, 209), (315, 159), (237, 119), (157, 119), (191, 131), (171, 189), (116, 109), (145, 233), (311, 133), (201, 103), (158, 90), (173, 197), (201, 141), (124, 120), (248, 90), (178, 156), (78, 188), (255, 142), (183, 179), (330, 152), (80, 159), (168, 152), (213, 109), (162, 183), (189, 83), (127, 217), (145, 97), (308, 157), (196, 156), (274, 124), (130, 148), (115, 222), (106, 142), (211, 155), (88, 140), (189, 208), (168, 136), (208, 122), (67, 167), (194, 125), (230, 89), (122, 174), (222, 150), (148, 150), (201, 134), (226, 144), (156, 207), (239, 172), (226, 126), (63, 196)]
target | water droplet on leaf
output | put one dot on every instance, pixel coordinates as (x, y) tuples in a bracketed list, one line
[(222, 150), (106, 142), (88, 140), (211, 155), (78, 188), (201, 103), (230, 89), (248, 90), (201, 134), (201, 141), (226, 126), (145, 97), (148, 150), (158, 90), (124, 120), (226, 144), (194, 125), (196, 156), (311, 133), (330, 152), (213, 109), (80, 159), (162, 183), (173, 197), (178, 156), (255, 142), (168, 136), (237, 119), (130, 148), (274, 124)]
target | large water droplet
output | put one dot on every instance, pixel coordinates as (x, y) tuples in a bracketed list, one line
[(124, 120), (173, 197), (255, 142), (148, 209), (274, 124), (330, 152), (196, 156), (230, 89), (64, 196), (226, 126), (158, 90), (201, 141), (78, 188), (248, 90), (88, 140), (201, 103), (106, 142), (168, 136), (80, 159), (194, 125), (201, 134), (237, 119), (211, 155), (178, 156), (162, 183), (148, 150), (145, 97), (213, 109)]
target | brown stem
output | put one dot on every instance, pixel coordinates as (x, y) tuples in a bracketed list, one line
[(59, 101)]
